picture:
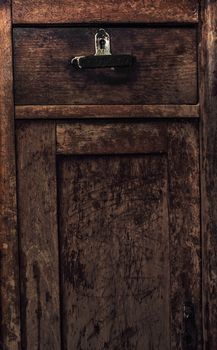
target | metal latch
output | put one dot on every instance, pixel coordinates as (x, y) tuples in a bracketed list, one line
[(103, 58)]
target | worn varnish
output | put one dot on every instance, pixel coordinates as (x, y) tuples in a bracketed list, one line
[(66, 11), (114, 241), (209, 169), (9, 267), (165, 71), (39, 269)]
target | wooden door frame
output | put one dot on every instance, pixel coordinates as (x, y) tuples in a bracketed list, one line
[(10, 314)]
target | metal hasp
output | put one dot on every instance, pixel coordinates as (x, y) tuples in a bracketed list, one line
[(102, 57), (189, 338)]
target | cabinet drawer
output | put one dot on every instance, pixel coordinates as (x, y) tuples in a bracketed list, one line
[(164, 71), (66, 11)]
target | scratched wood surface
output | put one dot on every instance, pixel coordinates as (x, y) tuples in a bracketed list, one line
[(111, 137), (106, 111), (9, 271), (209, 169), (129, 234), (85, 217), (114, 246), (164, 72), (66, 11), (184, 223), (39, 271)]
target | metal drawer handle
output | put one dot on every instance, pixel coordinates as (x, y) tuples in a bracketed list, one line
[(102, 57)]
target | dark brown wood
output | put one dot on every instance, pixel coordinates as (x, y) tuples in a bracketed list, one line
[(111, 138), (90, 202), (39, 269), (129, 233), (106, 111), (66, 11), (209, 169), (115, 252), (185, 233), (9, 266), (165, 71)]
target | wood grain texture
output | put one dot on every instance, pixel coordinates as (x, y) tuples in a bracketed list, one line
[(184, 222), (165, 71), (106, 111), (111, 138), (39, 269), (208, 97), (129, 233), (9, 271), (114, 242), (183, 196), (66, 11)]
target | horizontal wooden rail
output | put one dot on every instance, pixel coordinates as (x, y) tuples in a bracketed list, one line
[(31, 11), (106, 111)]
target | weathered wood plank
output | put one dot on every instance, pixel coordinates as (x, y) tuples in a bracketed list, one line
[(66, 11), (208, 96), (39, 269), (114, 241), (9, 271), (111, 138), (165, 71), (184, 223), (106, 111)]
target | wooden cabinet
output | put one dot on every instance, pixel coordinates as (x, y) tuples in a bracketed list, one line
[(108, 177)]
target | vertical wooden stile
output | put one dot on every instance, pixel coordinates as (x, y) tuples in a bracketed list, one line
[(208, 98), (38, 236), (9, 271)]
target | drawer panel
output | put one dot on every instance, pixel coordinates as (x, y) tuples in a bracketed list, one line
[(66, 11), (165, 71)]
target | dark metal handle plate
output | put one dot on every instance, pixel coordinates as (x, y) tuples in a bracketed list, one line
[(106, 61)]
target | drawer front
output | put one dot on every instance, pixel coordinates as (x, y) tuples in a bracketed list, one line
[(164, 71), (66, 11)]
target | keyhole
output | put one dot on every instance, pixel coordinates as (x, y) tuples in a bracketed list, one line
[(102, 43)]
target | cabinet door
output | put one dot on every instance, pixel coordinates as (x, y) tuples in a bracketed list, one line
[(109, 222)]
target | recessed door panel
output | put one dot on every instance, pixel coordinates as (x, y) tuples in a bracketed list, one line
[(114, 252)]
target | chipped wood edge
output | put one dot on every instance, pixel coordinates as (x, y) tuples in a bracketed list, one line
[(105, 111), (208, 132), (9, 267)]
